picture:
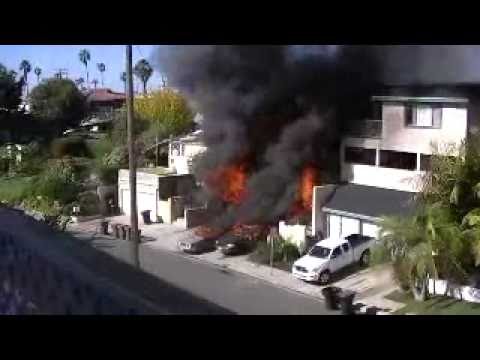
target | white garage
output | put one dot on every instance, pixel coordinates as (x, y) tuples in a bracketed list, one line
[(358, 209), (343, 226), (145, 201)]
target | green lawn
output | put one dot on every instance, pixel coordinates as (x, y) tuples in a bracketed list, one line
[(13, 189), (438, 305)]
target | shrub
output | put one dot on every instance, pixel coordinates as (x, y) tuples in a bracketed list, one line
[(56, 182), (283, 252)]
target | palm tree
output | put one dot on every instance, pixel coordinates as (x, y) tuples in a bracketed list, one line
[(79, 82), (84, 56), (95, 82), (37, 72), (101, 67), (143, 71), (123, 77), (26, 68)]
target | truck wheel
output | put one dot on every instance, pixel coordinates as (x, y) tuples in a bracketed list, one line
[(365, 258), (324, 277)]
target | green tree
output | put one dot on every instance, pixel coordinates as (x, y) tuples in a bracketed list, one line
[(10, 90), (79, 82), (38, 72), (84, 56), (166, 112), (443, 238), (95, 83), (101, 68), (143, 71), (25, 67), (59, 103)]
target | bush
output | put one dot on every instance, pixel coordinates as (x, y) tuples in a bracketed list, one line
[(284, 252), (73, 146), (56, 182)]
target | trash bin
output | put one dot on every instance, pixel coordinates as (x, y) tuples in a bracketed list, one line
[(123, 230), (330, 293), (130, 232), (116, 230), (346, 298), (146, 217), (104, 227)]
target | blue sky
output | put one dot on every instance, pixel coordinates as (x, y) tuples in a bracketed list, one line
[(50, 58)]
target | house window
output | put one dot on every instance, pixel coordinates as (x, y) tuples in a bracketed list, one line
[(354, 155), (425, 162), (424, 116), (398, 160), (176, 149)]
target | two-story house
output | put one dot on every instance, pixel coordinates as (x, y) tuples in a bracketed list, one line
[(383, 159)]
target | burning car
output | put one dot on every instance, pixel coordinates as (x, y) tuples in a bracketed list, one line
[(197, 245), (235, 245)]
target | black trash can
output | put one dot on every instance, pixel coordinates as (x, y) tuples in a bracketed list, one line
[(104, 227), (130, 233), (330, 293), (116, 230), (346, 298), (146, 217), (123, 231)]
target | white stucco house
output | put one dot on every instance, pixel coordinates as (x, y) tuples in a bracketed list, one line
[(182, 151), (382, 161)]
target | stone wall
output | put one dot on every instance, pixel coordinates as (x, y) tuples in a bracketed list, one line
[(31, 284)]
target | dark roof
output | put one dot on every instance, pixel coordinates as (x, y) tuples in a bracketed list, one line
[(371, 201), (105, 95)]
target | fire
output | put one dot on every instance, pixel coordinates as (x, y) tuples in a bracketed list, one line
[(306, 184), (229, 182)]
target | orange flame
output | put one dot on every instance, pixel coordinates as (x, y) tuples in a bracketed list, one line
[(229, 182), (306, 184)]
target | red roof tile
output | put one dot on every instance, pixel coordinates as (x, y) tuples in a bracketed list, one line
[(104, 95)]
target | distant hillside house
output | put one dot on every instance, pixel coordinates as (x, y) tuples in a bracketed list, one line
[(105, 100)]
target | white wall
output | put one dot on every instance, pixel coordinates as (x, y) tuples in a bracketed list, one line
[(465, 293), (399, 137), (394, 179), (180, 162), (147, 188), (293, 233), (321, 194)]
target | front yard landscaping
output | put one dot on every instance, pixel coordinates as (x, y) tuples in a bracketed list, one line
[(438, 305)]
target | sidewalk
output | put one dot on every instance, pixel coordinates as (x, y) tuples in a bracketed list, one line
[(371, 285)]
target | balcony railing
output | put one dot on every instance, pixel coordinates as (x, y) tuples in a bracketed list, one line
[(366, 129)]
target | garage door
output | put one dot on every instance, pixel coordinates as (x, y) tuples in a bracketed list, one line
[(334, 225), (350, 226), (370, 229), (342, 226), (145, 201)]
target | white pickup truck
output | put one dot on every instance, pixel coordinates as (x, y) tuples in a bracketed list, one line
[(332, 254)]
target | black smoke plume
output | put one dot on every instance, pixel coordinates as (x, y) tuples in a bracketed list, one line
[(280, 107)]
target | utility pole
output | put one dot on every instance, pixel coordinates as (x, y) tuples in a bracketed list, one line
[(131, 163)]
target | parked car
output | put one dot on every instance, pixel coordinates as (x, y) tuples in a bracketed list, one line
[(235, 245), (197, 245), (332, 254)]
